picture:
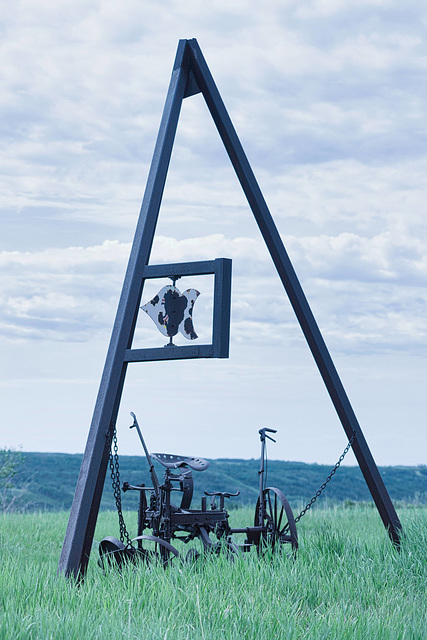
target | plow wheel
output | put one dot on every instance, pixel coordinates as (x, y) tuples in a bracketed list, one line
[(112, 552), (224, 545), (278, 523), (154, 549)]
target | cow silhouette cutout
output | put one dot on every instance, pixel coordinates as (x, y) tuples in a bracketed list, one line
[(172, 311)]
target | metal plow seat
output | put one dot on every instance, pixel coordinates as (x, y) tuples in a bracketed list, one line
[(172, 461)]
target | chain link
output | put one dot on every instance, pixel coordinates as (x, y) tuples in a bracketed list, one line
[(115, 481), (328, 479)]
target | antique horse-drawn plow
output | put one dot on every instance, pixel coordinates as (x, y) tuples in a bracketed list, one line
[(274, 524)]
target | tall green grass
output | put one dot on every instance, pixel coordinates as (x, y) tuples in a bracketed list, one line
[(346, 582)]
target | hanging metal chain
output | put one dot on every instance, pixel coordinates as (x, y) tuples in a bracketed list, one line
[(328, 479), (115, 481)]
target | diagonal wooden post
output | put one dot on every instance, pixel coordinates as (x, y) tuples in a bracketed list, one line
[(84, 511), (294, 290)]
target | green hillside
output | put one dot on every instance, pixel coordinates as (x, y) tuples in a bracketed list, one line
[(49, 480)]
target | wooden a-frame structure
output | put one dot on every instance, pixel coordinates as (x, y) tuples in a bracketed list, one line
[(191, 75)]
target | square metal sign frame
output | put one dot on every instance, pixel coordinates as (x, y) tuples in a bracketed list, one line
[(219, 348)]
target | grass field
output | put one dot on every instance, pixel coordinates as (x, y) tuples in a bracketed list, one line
[(347, 582)]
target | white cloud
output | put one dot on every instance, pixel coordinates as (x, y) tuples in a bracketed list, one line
[(327, 8), (328, 99), (71, 294)]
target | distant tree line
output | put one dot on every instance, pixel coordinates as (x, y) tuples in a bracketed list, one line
[(46, 481), (14, 491)]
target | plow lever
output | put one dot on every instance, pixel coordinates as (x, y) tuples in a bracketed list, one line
[(153, 474)]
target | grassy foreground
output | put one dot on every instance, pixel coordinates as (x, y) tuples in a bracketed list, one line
[(347, 582)]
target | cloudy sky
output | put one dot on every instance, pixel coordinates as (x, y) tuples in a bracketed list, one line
[(329, 100)]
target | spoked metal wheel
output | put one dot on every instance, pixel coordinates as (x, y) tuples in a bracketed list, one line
[(278, 522), (154, 549)]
